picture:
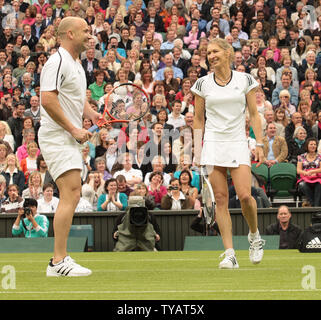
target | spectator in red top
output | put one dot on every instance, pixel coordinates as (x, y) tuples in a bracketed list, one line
[(185, 96), (156, 187), (174, 11), (41, 7)]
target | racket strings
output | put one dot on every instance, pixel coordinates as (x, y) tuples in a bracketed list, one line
[(207, 200), (128, 103)]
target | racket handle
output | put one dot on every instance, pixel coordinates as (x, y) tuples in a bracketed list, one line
[(93, 128)]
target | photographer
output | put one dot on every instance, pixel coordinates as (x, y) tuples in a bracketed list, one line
[(175, 198), (136, 229), (33, 225), (120, 52)]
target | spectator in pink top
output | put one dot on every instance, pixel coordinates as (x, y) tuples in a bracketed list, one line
[(156, 187), (28, 136), (192, 40), (272, 45)]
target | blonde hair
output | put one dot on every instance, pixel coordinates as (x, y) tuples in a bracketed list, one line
[(32, 144), (17, 164), (99, 135), (284, 92), (222, 43), (34, 173), (8, 130)]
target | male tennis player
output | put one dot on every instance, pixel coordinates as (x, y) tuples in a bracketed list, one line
[(63, 104)]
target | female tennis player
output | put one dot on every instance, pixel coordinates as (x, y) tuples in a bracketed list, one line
[(222, 96)]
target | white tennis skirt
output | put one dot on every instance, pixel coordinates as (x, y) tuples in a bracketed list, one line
[(230, 154), (60, 151)]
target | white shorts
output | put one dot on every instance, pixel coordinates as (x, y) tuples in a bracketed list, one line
[(228, 154), (60, 151)]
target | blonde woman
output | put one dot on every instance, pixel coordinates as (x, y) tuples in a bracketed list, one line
[(47, 40), (311, 78), (12, 172), (102, 145), (25, 53), (93, 188), (225, 144), (118, 22), (3, 156), (28, 136), (90, 15), (5, 134), (29, 164), (119, 6), (133, 57), (34, 189), (110, 16), (82, 3), (203, 55), (122, 77), (112, 65), (98, 24)]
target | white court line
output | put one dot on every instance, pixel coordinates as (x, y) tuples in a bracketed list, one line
[(112, 260), (161, 291), (213, 269), (164, 260)]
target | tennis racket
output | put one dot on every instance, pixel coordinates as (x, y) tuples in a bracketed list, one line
[(127, 102), (208, 199)]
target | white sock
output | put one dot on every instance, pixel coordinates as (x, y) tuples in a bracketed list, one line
[(57, 262), (254, 235), (229, 252)]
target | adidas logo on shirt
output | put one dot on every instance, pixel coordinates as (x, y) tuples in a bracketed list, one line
[(314, 244)]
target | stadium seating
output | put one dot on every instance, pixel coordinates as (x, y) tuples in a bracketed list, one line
[(202, 243), (283, 179), (85, 230), (262, 171), (23, 245)]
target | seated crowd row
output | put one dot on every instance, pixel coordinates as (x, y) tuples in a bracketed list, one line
[(162, 48)]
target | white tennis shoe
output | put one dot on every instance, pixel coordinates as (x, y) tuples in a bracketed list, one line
[(67, 268), (229, 262), (256, 249)]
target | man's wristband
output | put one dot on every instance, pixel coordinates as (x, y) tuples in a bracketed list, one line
[(260, 145)]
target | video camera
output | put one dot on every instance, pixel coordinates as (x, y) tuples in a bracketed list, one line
[(136, 231), (138, 213)]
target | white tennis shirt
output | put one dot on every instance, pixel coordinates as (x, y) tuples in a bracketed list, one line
[(62, 73), (225, 106)]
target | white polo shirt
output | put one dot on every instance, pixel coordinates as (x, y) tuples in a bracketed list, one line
[(130, 174), (66, 75), (176, 121)]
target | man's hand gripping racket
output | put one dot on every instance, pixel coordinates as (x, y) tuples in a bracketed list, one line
[(125, 103)]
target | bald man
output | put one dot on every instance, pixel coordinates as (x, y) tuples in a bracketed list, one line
[(63, 104)]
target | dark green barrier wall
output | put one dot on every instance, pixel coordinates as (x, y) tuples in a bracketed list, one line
[(175, 226)]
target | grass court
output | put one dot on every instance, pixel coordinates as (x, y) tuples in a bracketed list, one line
[(184, 275)]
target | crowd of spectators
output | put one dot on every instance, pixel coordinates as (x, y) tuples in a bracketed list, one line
[(162, 48)]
